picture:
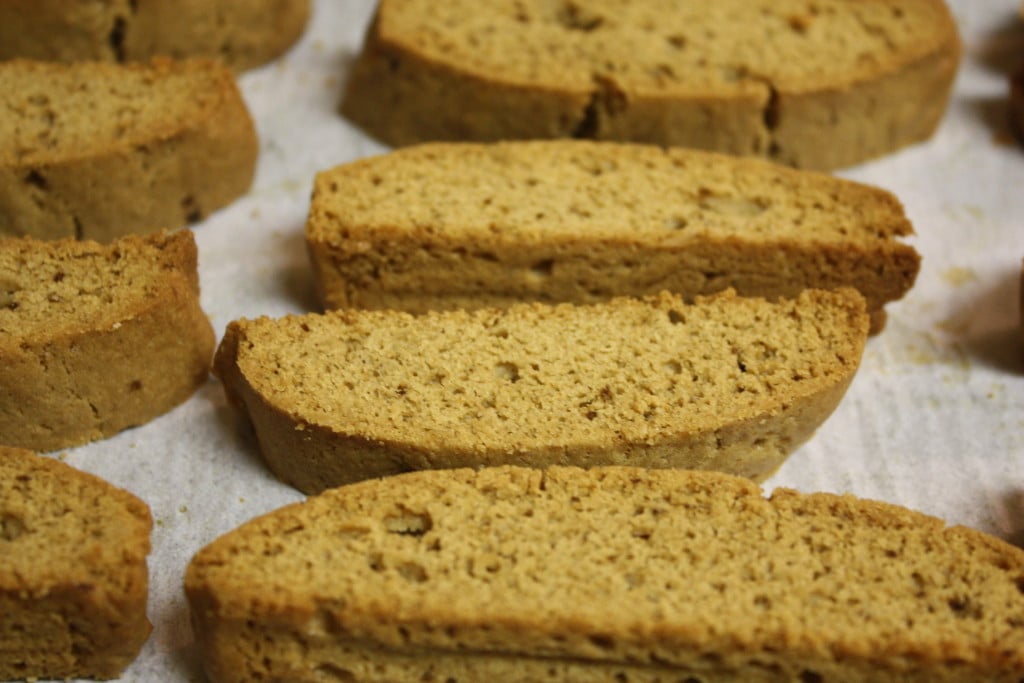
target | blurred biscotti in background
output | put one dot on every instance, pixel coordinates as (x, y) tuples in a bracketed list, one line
[(95, 150), (73, 575), (97, 338), (727, 383), (810, 83), (443, 226), (613, 574), (241, 33)]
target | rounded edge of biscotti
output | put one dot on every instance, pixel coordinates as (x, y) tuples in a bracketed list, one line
[(341, 232), (161, 337), (118, 602), (166, 169), (228, 601), (579, 110), (312, 454)]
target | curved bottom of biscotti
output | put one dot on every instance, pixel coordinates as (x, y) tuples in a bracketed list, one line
[(240, 653), (313, 458)]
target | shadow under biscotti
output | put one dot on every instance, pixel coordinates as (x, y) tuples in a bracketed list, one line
[(1013, 502), (990, 325)]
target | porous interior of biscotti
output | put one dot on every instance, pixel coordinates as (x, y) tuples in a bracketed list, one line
[(48, 288), (67, 540), (530, 192), (659, 567), (717, 48), (533, 376), (60, 112)]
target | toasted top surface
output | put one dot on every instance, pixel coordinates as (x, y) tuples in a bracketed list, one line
[(619, 562), (543, 191), (537, 376), (49, 289), (60, 526), (726, 47), (55, 112)]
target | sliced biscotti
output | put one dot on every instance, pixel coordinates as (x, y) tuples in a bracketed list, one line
[(73, 577), (612, 574), (811, 83), (467, 225), (242, 33), (95, 338), (727, 383), (97, 151)]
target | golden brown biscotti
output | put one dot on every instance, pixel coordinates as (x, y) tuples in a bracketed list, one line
[(73, 576), (469, 225), (241, 33), (810, 83), (607, 575), (96, 151), (94, 338), (727, 383)]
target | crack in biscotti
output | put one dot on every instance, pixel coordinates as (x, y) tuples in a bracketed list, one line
[(606, 99), (770, 116), (118, 30)]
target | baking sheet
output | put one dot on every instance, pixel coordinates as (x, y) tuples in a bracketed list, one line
[(933, 420)]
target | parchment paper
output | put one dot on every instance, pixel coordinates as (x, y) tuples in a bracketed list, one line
[(932, 421)]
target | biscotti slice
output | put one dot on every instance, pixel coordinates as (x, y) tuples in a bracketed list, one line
[(73, 577), (470, 225), (242, 33), (728, 383), (97, 151), (94, 338), (811, 83), (607, 575)]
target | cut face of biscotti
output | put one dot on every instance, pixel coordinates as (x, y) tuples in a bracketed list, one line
[(811, 83), (728, 383), (97, 151), (612, 574), (73, 577), (94, 338), (241, 33), (465, 225)]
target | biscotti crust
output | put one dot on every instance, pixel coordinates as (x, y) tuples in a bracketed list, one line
[(76, 378), (64, 174), (241, 33), (430, 227), (675, 86), (73, 575), (609, 574), (514, 391)]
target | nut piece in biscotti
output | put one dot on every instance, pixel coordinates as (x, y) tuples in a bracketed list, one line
[(602, 576), (241, 33), (73, 577), (727, 383), (96, 151), (811, 83), (469, 225), (95, 338)]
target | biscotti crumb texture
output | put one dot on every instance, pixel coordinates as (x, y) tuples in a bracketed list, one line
[(612, 574), (96, 151), (97, 338), (73, 576), (466, 226), (241, 33), (815, 84), (728, 383)]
